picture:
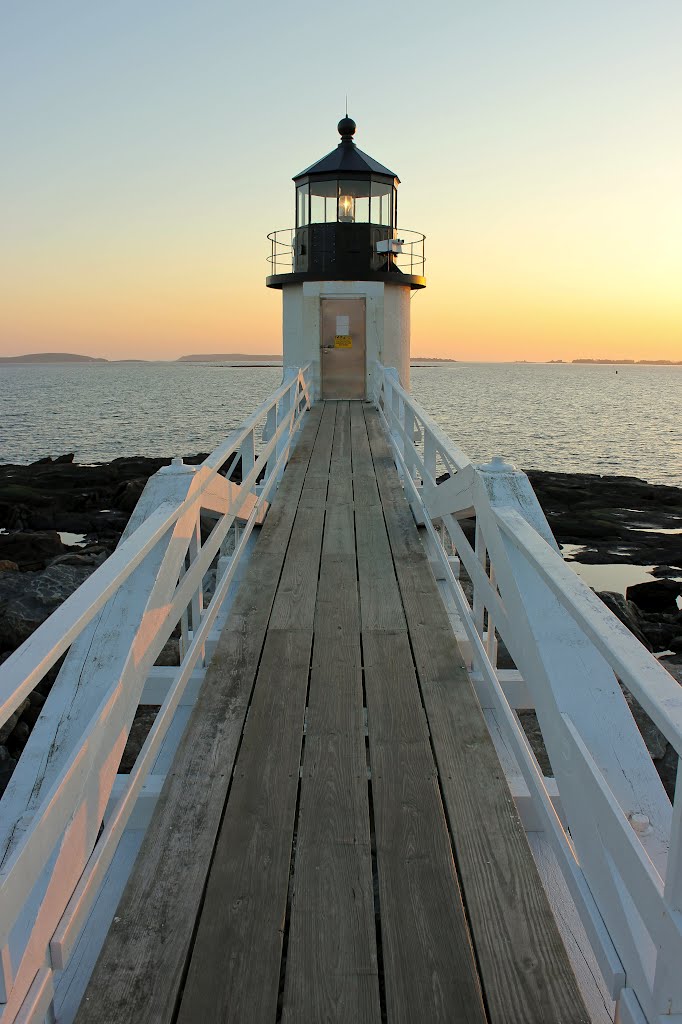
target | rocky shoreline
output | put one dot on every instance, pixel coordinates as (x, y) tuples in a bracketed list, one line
[(60, 520)]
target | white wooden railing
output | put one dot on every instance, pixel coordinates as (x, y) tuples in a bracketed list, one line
[(618, 840), (62, 816)]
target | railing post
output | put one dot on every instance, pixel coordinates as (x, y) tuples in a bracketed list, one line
[(429, 455), (408, 440), (478, 604), (6, 973), (248, 454), (667, 979)]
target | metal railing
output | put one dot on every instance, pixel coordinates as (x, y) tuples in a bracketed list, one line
[(408, 257), (619, 840), (61, 817)]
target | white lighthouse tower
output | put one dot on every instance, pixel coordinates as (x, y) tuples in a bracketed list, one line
[(346, 272)]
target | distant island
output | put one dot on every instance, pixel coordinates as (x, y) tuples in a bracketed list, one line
[(232, 357), (52, 357), (628, 362)]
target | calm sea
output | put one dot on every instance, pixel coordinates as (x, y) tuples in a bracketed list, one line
[(596, 419)]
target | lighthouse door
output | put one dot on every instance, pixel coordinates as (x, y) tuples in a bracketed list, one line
[(342, 348)]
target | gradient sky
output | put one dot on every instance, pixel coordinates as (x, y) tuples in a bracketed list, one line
[(148, 148)]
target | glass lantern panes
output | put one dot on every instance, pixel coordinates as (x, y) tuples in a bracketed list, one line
[(323, 196), (302, 205), (381, 204)]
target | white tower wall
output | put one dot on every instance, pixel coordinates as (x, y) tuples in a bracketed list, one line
[(387, 324)]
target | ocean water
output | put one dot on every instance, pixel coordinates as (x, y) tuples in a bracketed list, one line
[(623, 420)]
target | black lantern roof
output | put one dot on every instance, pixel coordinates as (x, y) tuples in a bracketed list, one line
[(346, 158)]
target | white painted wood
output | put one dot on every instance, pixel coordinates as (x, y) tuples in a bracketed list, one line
[(593, 988), (71, 983), (38, 1002), (489, 685), (567, 647), (513, 687), (647, 680), (628, 1010), (160, 680), (532, 821), (570, 652), (58, 795), (6, 973), (86, 889), (143, 809), (27, 665), (164, 760)]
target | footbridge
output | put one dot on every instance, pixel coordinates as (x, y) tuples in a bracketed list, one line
[(336, 814)]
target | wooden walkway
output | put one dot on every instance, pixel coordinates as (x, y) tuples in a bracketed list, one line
[(336, 841)]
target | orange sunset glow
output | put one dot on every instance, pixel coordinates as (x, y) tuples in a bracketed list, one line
[(538, 155)]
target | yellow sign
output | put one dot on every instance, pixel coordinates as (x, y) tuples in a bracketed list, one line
[(343, 341)]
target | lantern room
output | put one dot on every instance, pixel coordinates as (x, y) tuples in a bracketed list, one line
[(345, 245)]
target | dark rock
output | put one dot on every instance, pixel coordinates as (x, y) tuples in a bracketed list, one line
[(676, 644), (170, 654), (8, 566), (31, 550), (616, 516), (19, 735), (81, 557), (129, 494), (657, 596), (626, 611), (667, 571), (674, 666), (28, 598), (62, 459), (659, 635), (504, 658), (31, 716), (7, 766), (142, 723)]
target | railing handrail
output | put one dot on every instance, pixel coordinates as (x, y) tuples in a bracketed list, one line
[(621, 849), (646, 679), (644, 676), (24, 668), (282, 246), (44, 808)]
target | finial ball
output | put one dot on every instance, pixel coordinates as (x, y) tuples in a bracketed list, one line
[(346, 126)]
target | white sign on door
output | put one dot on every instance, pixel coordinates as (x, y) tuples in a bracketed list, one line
[(343, 325)]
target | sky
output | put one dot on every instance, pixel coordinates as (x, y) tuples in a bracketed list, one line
[(148, 148)]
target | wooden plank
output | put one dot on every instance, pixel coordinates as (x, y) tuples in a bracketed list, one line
[(140, 970), (380, 600), (524, 966), (340, 478), (317, 476), (234, 968), (365, 491), (331, 969), (379, 594), (429, 968)]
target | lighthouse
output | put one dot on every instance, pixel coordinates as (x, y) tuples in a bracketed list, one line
[(346, 272)]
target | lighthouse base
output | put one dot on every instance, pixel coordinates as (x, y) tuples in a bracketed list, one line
[(343, 328)]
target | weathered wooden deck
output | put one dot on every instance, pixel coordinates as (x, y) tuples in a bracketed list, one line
[(336, 841)]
